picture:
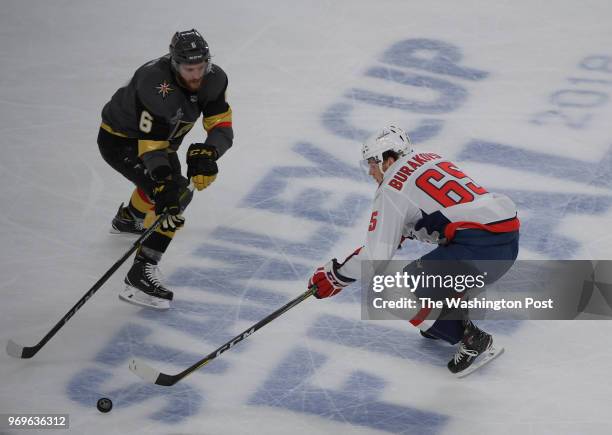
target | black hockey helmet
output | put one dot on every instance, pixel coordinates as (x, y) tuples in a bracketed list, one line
[(188, 47)]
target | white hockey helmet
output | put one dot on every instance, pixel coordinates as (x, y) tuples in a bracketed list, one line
[(389, 138)]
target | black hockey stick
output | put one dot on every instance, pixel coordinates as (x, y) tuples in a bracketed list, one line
[(19, 351), (153, 376)]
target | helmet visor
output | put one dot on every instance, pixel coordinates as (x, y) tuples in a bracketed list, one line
[(366, 165)]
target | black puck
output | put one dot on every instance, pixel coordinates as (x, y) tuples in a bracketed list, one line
[(104, 404)]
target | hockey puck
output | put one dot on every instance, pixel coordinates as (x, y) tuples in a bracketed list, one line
[(104, 404)]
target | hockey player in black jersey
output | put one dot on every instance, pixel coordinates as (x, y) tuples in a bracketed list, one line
[(142, 128)]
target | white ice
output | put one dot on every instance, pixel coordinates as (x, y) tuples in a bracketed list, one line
[(293, 68)]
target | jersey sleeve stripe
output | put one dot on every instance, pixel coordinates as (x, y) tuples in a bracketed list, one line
[(108, 128), (213, 121), (222, 124)]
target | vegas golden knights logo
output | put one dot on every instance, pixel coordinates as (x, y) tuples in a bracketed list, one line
[(164, 89)]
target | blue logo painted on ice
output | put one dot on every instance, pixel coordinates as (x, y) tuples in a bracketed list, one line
[(412, 64)]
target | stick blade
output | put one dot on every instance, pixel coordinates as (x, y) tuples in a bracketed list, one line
[(151, 375), (144, 371), (15, 350)]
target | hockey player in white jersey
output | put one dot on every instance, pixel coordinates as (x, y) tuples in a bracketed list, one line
[(423, 196)]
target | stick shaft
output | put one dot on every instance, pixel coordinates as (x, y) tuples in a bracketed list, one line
[(29, 352), (167, 380)]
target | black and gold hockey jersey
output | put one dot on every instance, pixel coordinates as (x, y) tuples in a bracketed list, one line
[(157, 111)]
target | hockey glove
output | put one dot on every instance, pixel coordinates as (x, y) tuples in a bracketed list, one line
[(435, 221), (201, 165), (166, 195), (172, 222), (328, 280)]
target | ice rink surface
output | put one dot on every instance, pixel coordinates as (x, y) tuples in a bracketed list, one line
[(515, 92)]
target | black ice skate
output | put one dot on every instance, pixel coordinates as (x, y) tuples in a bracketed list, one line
[(427, 335), (143, 287), (475, 350), (124, 222)]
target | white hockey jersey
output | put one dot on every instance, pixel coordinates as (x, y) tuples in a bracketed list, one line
[(421, 184)]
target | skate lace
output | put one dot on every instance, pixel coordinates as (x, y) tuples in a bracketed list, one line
[(462, 352), (153, 274)]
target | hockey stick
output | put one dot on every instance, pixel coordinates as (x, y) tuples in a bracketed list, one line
[(154, 376), (19, 351)]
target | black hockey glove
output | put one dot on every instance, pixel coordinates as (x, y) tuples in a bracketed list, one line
[(172, 222), (201, 165), (166, 195)]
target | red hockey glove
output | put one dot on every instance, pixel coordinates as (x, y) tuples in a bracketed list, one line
[(327, 280)]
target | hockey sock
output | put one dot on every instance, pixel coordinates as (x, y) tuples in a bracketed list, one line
[(140, 203), (154, 247), (450, 331)]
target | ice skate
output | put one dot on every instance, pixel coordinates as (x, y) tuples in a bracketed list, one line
[(475, 350), (427, 335), (144, 288), (125, 222)]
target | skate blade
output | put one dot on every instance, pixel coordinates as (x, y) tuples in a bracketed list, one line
[(154, 303), (488, 356)]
